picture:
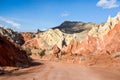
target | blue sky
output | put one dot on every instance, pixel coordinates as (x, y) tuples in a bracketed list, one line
[(30, 15)]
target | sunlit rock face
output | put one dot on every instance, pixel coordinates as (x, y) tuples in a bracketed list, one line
[(109, 43), (96, 40), (101, 48), (108, 35), (11, 55), (27, 35), (60, 35), (111, 40), (52, 37), (103, 29)]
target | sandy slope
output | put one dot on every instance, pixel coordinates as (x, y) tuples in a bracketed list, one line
[(61, 71)]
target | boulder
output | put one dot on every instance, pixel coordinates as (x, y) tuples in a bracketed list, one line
[(56, 51)]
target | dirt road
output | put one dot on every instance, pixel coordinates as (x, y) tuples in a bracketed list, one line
[(60, 71)]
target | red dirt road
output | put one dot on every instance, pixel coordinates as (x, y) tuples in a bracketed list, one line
[(61, 71)]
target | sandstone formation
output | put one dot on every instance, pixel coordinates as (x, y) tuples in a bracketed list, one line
[(27, 35), (13, 36), (103, 29), (56, 51), (34, 43), (86, 46), (11, 55), (88, 40), (47, 39), (98, 42), (60, 35), (103, 48)]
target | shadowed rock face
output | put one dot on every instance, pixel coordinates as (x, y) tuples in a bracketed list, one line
[(10, 55)]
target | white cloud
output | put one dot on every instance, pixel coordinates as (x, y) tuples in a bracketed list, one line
[(107, 4), (65, 14), (14, 24)]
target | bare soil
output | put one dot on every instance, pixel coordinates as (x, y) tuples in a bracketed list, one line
[(46, 70)]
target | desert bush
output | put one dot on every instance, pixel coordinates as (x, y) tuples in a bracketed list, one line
[(63, 53), (42, 53), (28, 51)]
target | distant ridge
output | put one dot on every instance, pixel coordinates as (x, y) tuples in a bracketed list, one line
[(71, 27)]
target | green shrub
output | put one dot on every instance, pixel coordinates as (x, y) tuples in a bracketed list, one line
[(42, 53)]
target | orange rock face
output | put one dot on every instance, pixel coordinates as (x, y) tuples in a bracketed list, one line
[(33, 43), (56, 50), (30, 41), (10, 55), (27, 36), (87, 46), (102, 49), (108, 43), (112, 39)]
